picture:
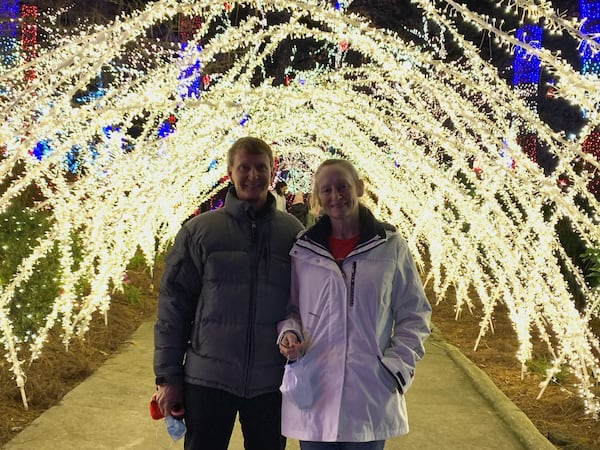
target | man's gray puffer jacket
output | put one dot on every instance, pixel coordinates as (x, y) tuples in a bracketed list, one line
[(225, 286)]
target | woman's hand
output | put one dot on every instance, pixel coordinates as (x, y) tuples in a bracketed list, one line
[(290, 347)]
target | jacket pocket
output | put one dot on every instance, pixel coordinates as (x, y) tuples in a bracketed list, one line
[(313, 315), (195, 332), (388, 378)]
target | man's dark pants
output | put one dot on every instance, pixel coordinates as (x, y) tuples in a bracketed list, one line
[(210, 416)]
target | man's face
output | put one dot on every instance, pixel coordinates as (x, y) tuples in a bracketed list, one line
[(251, 175)]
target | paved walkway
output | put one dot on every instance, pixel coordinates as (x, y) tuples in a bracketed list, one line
[(452, 405)]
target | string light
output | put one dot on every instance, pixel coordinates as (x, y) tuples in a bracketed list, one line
[(29, 37), (589, 13), (526, 78), (526, 67), (9, 11), (414, 121)]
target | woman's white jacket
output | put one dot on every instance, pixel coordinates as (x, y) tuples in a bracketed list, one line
[(364, 324)]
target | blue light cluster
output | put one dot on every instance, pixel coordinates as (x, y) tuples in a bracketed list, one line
[(244, 120), (41, 149), (526, 67), (77, 158), (589, 13), (93, 94), (71, 160), (108, 131), (190, 76), (165, 128), (9, 13)]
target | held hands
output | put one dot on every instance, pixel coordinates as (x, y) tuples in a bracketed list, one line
[(290, 347)]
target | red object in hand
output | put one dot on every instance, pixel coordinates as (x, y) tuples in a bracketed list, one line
[(155, 410), (156, 414)]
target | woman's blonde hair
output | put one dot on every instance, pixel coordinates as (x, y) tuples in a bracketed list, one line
[(315, 205)]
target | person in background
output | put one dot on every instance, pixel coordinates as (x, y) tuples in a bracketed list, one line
[(358, 321), (301, 211), (279, 192), (224, 288)]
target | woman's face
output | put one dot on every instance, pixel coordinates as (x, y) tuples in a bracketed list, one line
[(338, 192)]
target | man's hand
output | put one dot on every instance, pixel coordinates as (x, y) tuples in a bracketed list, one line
[(169, 398), (290, 347)]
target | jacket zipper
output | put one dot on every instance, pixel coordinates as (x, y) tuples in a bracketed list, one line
[(352, 280), (353, 275), (252, 306)]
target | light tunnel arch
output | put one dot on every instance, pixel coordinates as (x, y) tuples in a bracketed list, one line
[(410, 121)]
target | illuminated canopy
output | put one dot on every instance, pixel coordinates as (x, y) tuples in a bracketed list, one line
[(412, 120)]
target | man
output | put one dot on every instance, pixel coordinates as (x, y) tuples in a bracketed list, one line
[(224, 288)]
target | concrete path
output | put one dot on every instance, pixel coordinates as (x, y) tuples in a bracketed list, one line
[(452, 405)]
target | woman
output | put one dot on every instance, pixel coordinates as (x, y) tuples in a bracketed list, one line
[(280, 200), (300, 210), (359, 317)]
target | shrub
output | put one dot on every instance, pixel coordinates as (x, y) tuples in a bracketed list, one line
[(20, 231)]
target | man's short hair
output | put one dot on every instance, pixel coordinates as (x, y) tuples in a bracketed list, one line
[(252, 145)]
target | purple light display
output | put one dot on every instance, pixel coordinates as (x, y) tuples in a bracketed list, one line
[(589, 14), (526, 67), (9, 13)]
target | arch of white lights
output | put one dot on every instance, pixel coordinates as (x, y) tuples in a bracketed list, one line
[(490, 234)]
